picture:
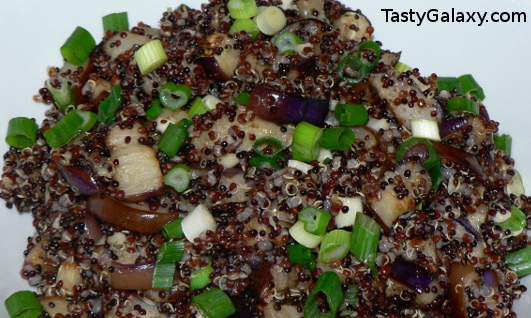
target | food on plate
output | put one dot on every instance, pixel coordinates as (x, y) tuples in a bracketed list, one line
[(262, 159)]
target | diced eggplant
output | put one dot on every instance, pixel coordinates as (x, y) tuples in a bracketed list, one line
[(308, 9), (399, 190), (354, 26), (389, 87), (218, 57)]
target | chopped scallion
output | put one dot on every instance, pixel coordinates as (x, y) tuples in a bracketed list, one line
[(365, 237), (448, 84), (108, 108), (242, 98), (469, 85), (78, 46), (349, 303), (174, 96), (150, 57), (89, 120), (198, 107), (401, 67), (65, 130), (178, 177), (201, 277), (214, 303), (503, 142), (163, 275), (267, 147), (352, 69), (414, 142), (286, 42), (520, 261), (170, 252), (304, 237), (246, 25), (62, 93), (155, 110), (300, 254), (173, 229), (335, 245), (337, 138), (116, 22), (463, 104), (23, 304), (351, 114), (328, 284), (174, 136), (306, 142), (242, 9), (315, 220), (516, 221), (21, 132), (271, 20)]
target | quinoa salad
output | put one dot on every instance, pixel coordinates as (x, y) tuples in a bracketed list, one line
[(262, 159)]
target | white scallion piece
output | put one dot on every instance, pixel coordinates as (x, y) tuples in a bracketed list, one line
[(211, 101), (324, 154), (377, 124), (299, 165), (198, 221), (271, 20), (304, 237), (354, 205), (425, 128)]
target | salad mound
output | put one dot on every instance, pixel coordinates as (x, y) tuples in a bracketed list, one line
[(262, 159)]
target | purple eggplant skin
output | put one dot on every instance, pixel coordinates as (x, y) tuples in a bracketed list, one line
[(80, 179)]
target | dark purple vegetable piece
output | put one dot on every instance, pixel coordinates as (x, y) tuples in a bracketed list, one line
[(459, 156), (452, 125), (132, 276), (460, 277), (491, 278), (92, 227), (285, 108), (126, 216), (411, 275), (464, 222), (79, 178)]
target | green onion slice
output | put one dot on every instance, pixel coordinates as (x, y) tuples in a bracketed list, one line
[(163, 275), (306, 141), (337, 138), (150, 57), (401, 67), (242, 98), (67, 128), (463, 104), (201, 277), (520, 261), (173, 229), (267, 147), (155, 110), (178, 177), (21, 132), (198, 107), (516, 221), (174, 96), (63, 95), (108, 108), (246, 25), (271, 20), (286, 42), (448, 84), (89, 120), (170, 252), (329, 285), (300, 254), (78, 46), (410, 143), (174, 136), (214, 303), (242, 9), (503, 142), (335, 245), (365, 237), (116, 22), (304, 237), (351, 114), (352, 69), (469, 85), (23, 304), (349, 303), (315, 220), (436, 174)]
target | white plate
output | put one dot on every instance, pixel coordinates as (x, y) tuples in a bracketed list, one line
[(495, 53)]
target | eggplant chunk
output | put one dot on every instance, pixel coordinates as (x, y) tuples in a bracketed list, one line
[(219, 58), (399, 190), (354, 26), (308, 9), (389, 87), (135, 166)]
